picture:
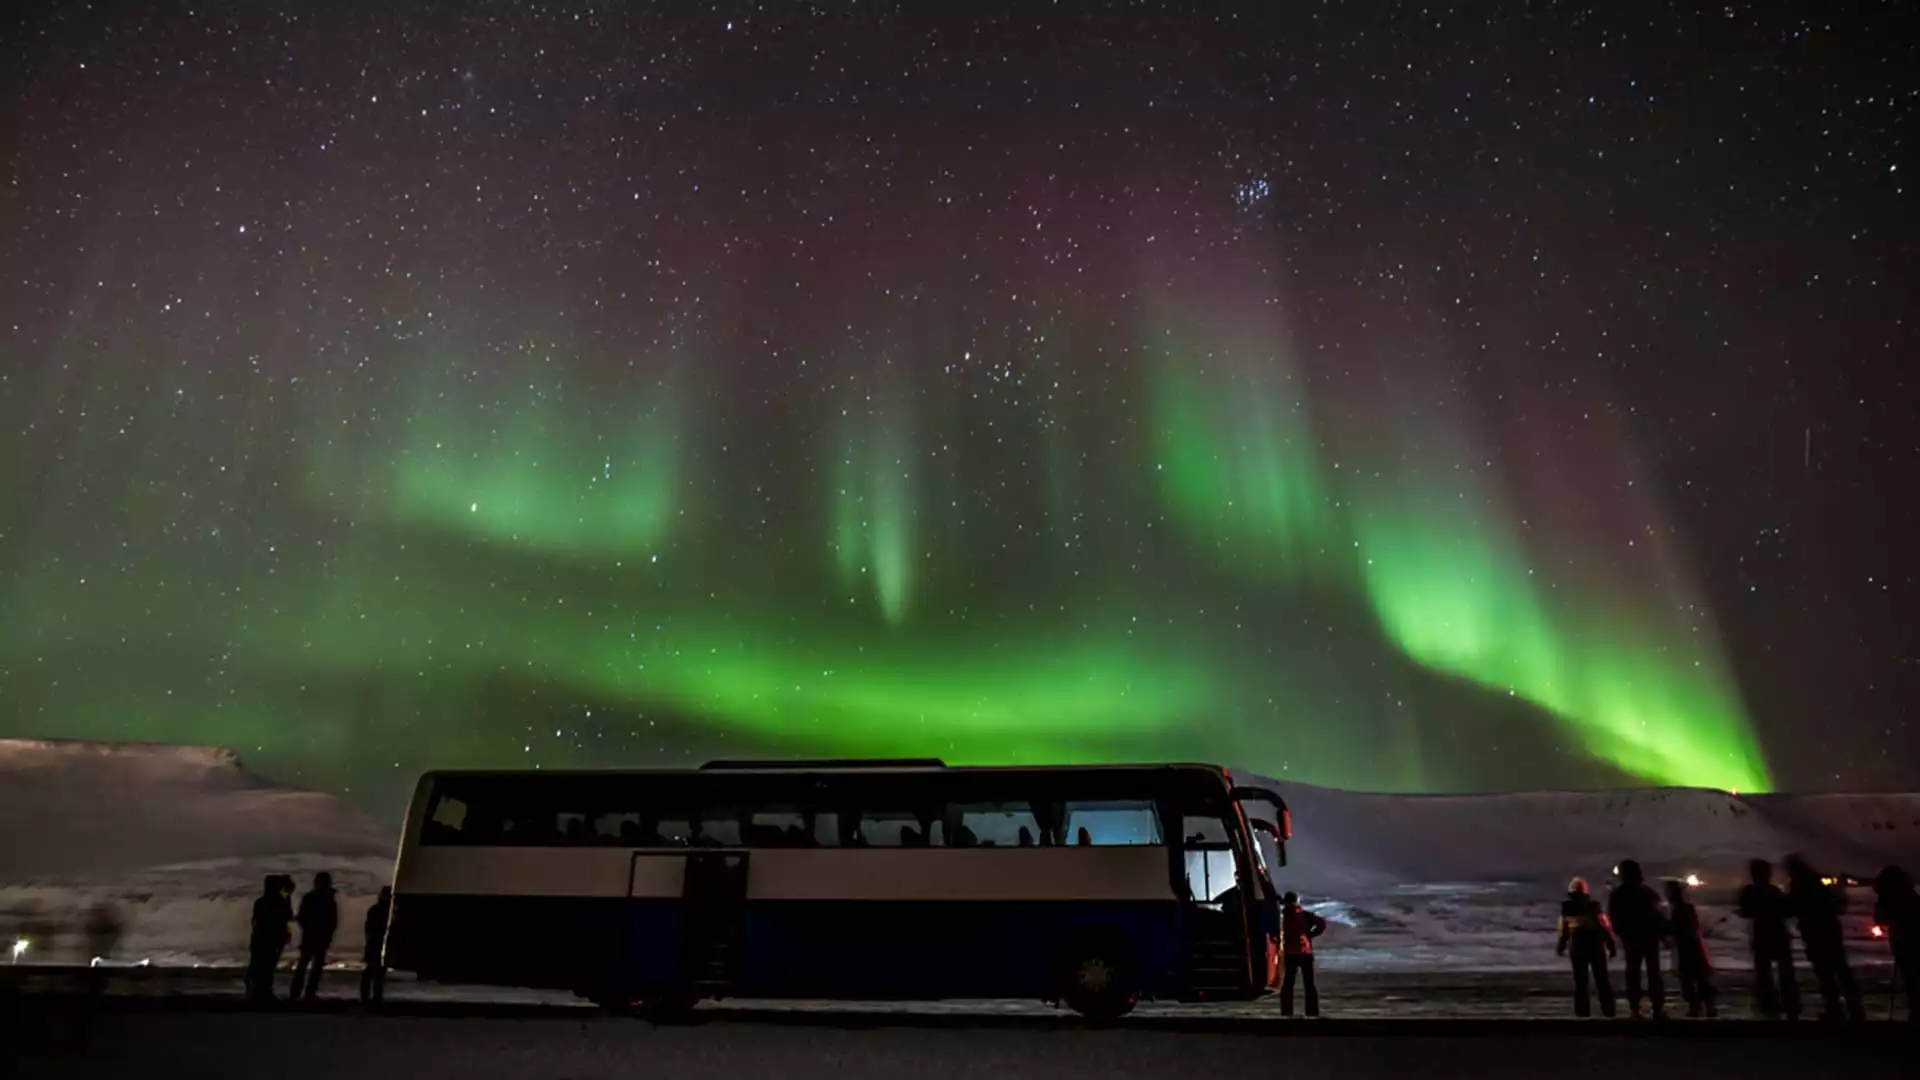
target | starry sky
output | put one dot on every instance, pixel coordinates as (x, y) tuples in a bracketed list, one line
[(1367, 394)]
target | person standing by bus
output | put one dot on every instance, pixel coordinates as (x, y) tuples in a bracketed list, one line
[(1764, 906), (1298, 928), (373, 973), (1896, 911), (1690, 960), (1587, 936), (319, 917), (272, 913), (1818, 905), (1634, 910)]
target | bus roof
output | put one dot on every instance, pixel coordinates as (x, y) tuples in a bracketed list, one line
[(822, 765), (887, 765)]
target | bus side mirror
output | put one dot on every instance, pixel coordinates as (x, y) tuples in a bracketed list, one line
[(1278, 833), (1271, 798)]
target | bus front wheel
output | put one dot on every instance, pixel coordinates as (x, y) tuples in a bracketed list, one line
[(1100, 985)]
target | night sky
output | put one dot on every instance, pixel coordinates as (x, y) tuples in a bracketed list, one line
[(1364, 394)]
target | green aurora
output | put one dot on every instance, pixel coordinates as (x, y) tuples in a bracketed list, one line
[(547, 564), (549, 536), (1334, 397)]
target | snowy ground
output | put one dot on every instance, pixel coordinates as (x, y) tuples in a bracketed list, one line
[(295, 1046), (1488, 996)]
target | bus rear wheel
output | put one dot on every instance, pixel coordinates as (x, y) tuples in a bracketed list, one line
[(671, 1008), (1100, 986)]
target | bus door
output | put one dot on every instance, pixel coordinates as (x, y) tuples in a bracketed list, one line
[(687, 908), (1216, 938), (713, 905), (1266, 815), (656, 886)]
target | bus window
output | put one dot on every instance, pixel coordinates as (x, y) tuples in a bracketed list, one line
[(1011, 824), (572, 829), (1113, 823), (826, 829), (715, 830), (617, 829), (778, 828), (896, 828), (1209, 857), (675, 830), (446, 822)]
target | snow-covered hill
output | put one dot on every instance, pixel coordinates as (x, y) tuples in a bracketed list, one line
[(1474, 881), (1348, 841), (175, 838)]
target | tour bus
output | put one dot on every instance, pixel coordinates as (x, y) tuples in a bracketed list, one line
[(1094, 886)]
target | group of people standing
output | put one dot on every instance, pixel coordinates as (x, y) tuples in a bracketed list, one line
[(1633, 922), (318, 917)]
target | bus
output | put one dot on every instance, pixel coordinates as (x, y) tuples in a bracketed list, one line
[(1091, 886)]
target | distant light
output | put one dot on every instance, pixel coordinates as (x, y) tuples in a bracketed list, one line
[(95, 962), (1879, 931), (1616, 869), (473, 508), (1693, 881), (20, 947)]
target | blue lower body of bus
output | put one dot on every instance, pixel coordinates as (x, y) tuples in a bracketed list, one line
[(629, 949)]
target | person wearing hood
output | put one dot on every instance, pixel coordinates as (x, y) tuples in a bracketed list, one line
[(1764, 906), (319, 917), (1634, 909), (1896, 911), (1690, 960), (1587, 937)]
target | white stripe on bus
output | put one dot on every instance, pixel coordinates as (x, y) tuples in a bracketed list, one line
[(919, 874)]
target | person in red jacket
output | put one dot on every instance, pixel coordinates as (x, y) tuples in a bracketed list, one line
[(1298, 928)]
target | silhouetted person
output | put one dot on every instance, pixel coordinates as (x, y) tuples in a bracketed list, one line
[(1817, 907), (1298, 928), (272, 913), (1026, 837), (319, 917), (1634, 909), (1766, 908), (1896, 910), (1690, 960), (1586, 936), (373, 973), (1084, 838)]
